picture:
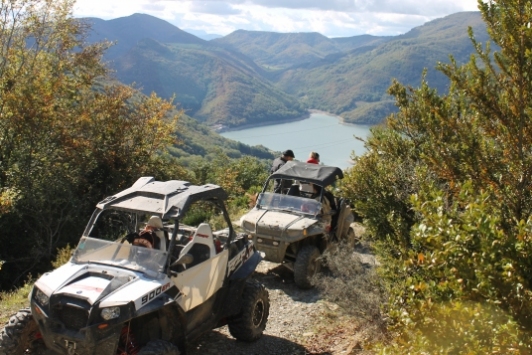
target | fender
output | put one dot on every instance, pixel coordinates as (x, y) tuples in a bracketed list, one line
[(247, 268)]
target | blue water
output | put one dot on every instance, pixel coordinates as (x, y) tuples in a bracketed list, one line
[(320, 132)]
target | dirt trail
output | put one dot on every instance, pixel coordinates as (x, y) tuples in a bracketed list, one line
[(292, 321)]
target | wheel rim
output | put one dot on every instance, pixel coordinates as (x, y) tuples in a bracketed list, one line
[(258, 313)]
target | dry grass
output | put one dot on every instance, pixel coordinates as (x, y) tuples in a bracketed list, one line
[(11, 302), (351, 282), (336, 333)]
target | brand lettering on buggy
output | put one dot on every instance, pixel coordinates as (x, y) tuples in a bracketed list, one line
[(202, 235), (150, 296), (240, 258)]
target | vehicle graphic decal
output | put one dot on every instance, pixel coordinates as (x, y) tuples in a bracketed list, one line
[(150, 296)]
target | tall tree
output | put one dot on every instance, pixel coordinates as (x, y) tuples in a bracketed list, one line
[(467, 197), (68, 136)]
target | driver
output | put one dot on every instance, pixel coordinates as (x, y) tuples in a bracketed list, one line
[(146, 238)]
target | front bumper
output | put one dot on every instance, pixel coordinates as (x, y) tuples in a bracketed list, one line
[(274, 250), (91, 340)]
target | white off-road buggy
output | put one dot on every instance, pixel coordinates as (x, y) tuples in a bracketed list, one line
[(295, 218), (145, 279)]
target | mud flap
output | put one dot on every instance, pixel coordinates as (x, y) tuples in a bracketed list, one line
[(247, 268)]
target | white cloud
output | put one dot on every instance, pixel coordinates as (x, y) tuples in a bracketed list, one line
[(333, 18)]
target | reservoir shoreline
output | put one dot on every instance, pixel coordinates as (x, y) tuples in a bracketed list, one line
[(222, 129), (320, 132)]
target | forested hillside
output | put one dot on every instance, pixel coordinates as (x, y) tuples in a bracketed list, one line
[(251, 77), (354, 84), (275, 51), (214, 85)]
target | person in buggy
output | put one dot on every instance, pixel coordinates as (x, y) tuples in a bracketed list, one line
[(151, 237)]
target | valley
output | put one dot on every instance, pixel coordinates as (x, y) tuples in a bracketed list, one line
[(258, 77)]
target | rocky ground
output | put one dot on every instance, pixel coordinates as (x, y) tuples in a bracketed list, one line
[(297, 323)]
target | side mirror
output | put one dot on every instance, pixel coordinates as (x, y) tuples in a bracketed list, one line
[(183, 260)]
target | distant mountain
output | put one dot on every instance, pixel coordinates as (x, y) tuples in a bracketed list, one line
[(127, 31), (213, 84), (251, 77), (203, 35), (346, 44), (283, 50), (353, 84)]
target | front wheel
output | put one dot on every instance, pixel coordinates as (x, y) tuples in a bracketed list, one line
[(21, 336), (307, 265), (250, 323), (159, 347)]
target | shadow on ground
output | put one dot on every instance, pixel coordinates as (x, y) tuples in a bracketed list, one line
[(278, 277), (218, 343)]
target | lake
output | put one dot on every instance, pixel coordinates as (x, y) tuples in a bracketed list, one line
[(322, 133)]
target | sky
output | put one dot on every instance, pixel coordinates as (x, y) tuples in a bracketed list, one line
[(332, 18)]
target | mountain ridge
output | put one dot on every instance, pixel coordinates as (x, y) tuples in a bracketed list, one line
[(257, 77)]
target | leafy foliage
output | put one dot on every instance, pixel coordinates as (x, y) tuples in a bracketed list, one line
[(66, 139), (237, 177), (445, 190)]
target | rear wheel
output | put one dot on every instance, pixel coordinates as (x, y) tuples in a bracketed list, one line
[(21, 336), (159, 347), (307, 265), (250, 323)]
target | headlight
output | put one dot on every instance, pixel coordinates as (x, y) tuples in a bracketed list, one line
[(110, 313), (41, 297), (250, 227)]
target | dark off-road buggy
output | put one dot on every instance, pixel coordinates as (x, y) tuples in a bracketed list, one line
[(295, 218), (126, 291)]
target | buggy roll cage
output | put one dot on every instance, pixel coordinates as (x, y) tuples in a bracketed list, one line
[(168, 200), (322, 175)]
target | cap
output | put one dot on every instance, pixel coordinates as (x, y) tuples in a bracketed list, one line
[(289, 153)]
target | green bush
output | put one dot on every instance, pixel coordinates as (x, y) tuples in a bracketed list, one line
[(445, 190)]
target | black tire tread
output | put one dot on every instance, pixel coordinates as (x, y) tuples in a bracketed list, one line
[(301, 266), (241, 326), (159, 347), (16, 336)]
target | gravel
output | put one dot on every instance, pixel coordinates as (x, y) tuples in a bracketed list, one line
[(292, 319)]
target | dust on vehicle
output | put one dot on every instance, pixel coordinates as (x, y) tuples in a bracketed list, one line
[(296, 225)]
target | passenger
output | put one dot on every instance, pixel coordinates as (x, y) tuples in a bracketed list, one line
[(314, 158), (287, 156)]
